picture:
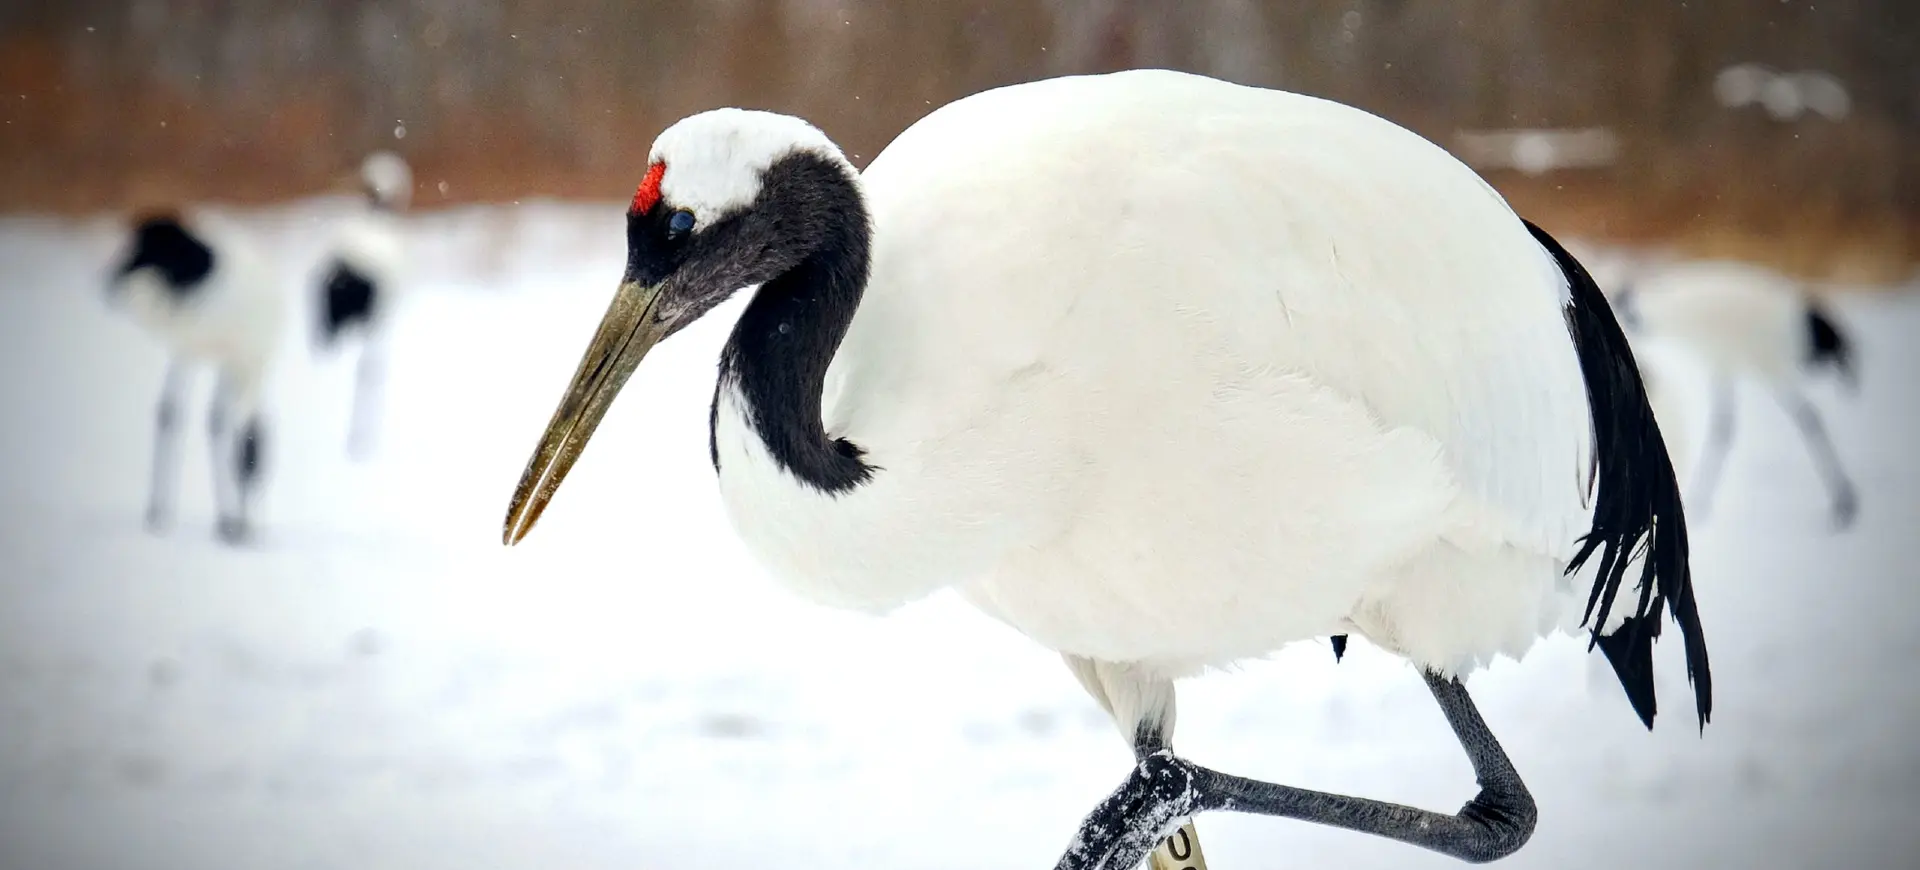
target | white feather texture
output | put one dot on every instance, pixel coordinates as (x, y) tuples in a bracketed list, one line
[(714, 159), (1171, 372)]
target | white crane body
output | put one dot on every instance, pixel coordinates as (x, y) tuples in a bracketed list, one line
[(1166, 373)]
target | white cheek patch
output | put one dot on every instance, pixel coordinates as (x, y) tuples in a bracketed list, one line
[(715, 159)]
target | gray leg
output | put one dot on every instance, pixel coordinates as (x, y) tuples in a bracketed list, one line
[(369, 378), (247, 454), (1164, 788), (1846, 501), (166, 448), (1713, 454), (226, 446)]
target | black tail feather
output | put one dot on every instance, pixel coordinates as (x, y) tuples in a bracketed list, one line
[(1632, 659), (1827, 345), (1637, 503), (347, 299), (1339, 647)]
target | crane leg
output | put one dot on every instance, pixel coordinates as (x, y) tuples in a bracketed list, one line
[(368, 381), (1845, 500), (166, 449), (1713, 454), (1165, 788), (234, 461), (1142, 704), (247, 455)]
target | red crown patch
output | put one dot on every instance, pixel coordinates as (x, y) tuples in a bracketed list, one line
[(648, 193)]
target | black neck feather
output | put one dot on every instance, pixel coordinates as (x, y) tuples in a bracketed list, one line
[(778, 355)]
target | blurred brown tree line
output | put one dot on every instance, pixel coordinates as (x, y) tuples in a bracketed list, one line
[(108, 104)]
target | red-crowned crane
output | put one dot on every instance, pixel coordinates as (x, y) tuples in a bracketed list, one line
[(363, 277), (1745, 321), (1166, 373), (210, 300)]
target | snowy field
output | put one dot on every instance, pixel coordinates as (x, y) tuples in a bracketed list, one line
[(379, 685)]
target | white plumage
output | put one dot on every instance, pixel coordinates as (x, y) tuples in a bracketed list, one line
[(1308, 428), (1162, 371)]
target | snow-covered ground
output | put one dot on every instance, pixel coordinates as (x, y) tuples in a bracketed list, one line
[(379, 684)]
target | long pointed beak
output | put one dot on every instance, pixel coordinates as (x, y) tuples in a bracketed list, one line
[(626, 333)]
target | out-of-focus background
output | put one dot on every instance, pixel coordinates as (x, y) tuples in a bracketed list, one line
[(1778, 129), (373, 682)]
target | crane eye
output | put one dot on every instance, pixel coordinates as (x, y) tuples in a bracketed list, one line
[(680, 222)]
